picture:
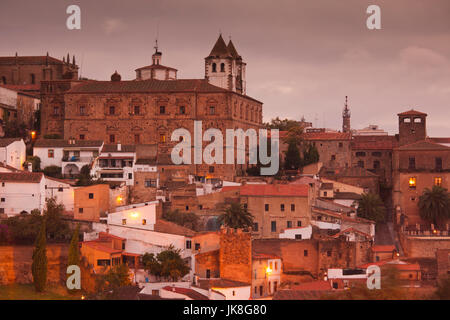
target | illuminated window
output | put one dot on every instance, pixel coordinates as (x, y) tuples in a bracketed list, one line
[(144, 222), (162, 138), (412, 182), (51, 153), (124, 221), (438, 181)]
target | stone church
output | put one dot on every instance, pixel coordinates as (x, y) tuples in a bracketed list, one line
[(148, 109)]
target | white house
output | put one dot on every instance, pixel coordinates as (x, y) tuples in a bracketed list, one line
[(71, 155), (266, 275), (13, 152), (21, 192), (180, 290), (115, 163), (297, 233), (61, 190)]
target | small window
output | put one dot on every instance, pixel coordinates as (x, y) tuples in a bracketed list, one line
[(60, 189), (162, 109), (255, 227), (80, 210), (208, 273), (124, 221), (438, 162), (289, 224), (266, 207), (360, 154), (162, 138), (299, 223), (112, 138), (333, 157), (188, 244), (292, 207), (222, 67), (273, 226), (412, 163), (376, 164), (91, 196), (407, 120), (182, 110), (33, 78), (137, 110), (197, 246), (56, 111), (144, 222), (417, 120), (82, 137), (112, 110), (51, 153), (282, 207), (211, 169), (123, 245), (82, 111), (212, 110), (234, 293), (137, 138), (329, 253), (2, 199), (298, 237), (214, 67), (361, 164), (305, 253), (187, 208), (341, 144)]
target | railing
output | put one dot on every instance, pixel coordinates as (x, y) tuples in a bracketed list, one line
[(77, 159)]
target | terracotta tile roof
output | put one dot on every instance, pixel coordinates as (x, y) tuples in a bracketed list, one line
[(424, 145), (411, 112), (347, 195), (100, 246), (326, 186), (4, 142), (258, 256), (21, 177), (320, 285), (156, 66), (383, 248), (146, 86), (374, 142), (70, 182), (440, 140), (61, 143), (337, 235), (191, 293), (286, 294), (21, 88), (172, 228), (326, 136), (220, 283), (230, 188), (104, 235), (281, 190), (27, 60), (123, 148)]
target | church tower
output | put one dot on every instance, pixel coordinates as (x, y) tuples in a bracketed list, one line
[(224, 67), (346, 117)]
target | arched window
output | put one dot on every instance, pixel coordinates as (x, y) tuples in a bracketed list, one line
[(32, 78), (222, 67), (214, 67)]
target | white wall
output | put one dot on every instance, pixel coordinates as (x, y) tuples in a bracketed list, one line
[(22, 197), (42, 153), (134, 216), (8, 97), (14, 154), (326, 225), (290, 233), (240, 293), (65, 197)]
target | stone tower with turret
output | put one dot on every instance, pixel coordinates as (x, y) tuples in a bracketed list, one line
[(346, 117), (225, 68)]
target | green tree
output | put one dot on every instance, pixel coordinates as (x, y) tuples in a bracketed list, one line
[(371, 207), (85, 178), (15, 129), (53, 171), (74, 253), (434, 205), (35, 162), (116, 277), (39, 265), (236, 216), (310, 154), (189, 219), (282, 125), (167, 264), (57, 228), (292, 160)]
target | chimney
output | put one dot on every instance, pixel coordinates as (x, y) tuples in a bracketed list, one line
[(119, 146), (30, 167)]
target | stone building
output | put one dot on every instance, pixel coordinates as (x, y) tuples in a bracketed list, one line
[(419, 162), (355, 176), (148, 111), (31, 70)]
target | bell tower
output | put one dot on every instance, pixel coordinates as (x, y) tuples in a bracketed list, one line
[(346, 117), (224, 67)]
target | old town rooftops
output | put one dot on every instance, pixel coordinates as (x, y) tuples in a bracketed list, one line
[(21, 177), (61, 143), (275, 190), (220, 283), (191, 293), (424, 145), (156, 66), (412, 112), (325, 136), (150, 86), (28, 60)]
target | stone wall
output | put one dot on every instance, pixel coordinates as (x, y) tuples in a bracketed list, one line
[(423, 247), (235, 255), (15, 264)]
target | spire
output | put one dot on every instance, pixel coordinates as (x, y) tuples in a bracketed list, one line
[(46, 59), (346, 117), (233, 50), (64, 59), (68, 58), (220, 49), (73, 60)]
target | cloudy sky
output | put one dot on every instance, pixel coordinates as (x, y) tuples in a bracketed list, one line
[(303, 56)]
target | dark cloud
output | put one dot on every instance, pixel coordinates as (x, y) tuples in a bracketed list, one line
[(303, 56)]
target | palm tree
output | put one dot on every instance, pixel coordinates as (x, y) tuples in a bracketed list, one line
[(236, 216), (371, 207), (434, 205)]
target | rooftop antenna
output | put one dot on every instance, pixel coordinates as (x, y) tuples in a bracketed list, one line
[(157, 36)]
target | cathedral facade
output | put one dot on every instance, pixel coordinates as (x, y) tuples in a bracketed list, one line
[(148, 109)]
